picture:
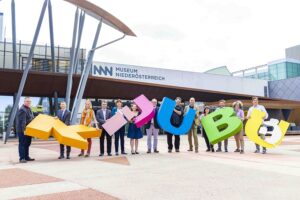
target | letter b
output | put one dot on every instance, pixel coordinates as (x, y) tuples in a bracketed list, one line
[(221, 125)]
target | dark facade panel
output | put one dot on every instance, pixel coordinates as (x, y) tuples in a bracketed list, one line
[(285, 89)]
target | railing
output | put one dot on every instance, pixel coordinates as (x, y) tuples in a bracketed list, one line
[(3, 122), (253, 72), (42, 58)]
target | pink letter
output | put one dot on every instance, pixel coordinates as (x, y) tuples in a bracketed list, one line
[(146, 108), (113, 124)]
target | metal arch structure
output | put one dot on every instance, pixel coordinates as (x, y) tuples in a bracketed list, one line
[(47, 4), (86, 7), (101, 14), (103, 17)]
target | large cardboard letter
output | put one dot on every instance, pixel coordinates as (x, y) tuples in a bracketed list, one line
[(43, 126), (164, 118), (114, 123), (146, 108), (253, 128), (221, 124)]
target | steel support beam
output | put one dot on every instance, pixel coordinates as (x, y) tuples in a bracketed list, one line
[(56, 107), (26, 70), (14, 37), (70, 73), (84, 76), (51, 35), (81, 24)]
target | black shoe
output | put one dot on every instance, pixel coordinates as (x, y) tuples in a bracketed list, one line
[(61, 157), (109, 154), (170, 151), (68, 157), (190, 150), (207, 150), (137, 152), (22, 161), (219, 150), (124, 153), (264, 151), (177, 150), (213, 150), (101, 154), (149, 151), (117, 154), (80, 155), (237, 150), (226, 150), (132, 153), (256, 151), (155, 151), (30, 159)]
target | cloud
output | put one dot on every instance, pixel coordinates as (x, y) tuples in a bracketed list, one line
[(193, 35), (159, 31)]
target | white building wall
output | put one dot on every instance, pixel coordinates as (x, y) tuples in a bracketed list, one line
[(218, 83), (293, 52), (1, 27)]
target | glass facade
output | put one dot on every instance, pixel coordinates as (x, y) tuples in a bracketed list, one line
[(293, 69), (283, 70), (273, 71)]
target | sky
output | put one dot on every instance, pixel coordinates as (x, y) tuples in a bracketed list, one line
[(192, 35)]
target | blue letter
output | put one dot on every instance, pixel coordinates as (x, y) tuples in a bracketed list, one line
[(164, 118)]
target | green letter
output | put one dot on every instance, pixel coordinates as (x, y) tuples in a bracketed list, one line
[(221, 124)]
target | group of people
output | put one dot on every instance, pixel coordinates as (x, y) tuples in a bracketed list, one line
[(239, 137), (91, 119)]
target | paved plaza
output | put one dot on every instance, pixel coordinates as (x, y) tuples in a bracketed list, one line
[(183, 176)]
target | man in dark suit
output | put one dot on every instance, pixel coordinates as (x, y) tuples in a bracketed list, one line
[(24, 117), (102, 115), (152, 128), (64, 115), (120, 134)]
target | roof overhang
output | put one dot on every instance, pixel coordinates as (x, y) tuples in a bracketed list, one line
[(44, 84), (99, 13)]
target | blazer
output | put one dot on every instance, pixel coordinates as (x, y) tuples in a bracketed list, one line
[(113, 111), (65, 118), (147, 126), (100, 117), (24, 117)]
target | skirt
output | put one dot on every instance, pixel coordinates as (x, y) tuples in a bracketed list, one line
[(134, 132)]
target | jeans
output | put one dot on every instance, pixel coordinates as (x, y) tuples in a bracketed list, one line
[(257, 146), (208, 145), (225, 145)]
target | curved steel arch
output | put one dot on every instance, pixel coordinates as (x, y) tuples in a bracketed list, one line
[(98, 13)]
